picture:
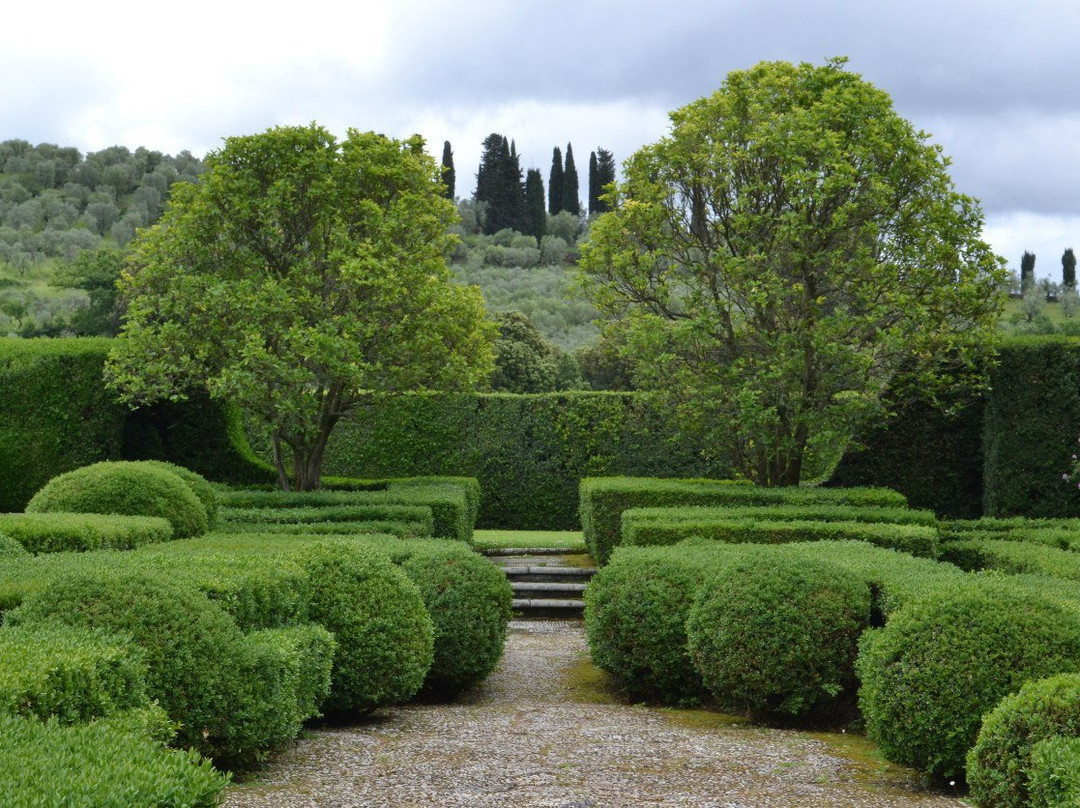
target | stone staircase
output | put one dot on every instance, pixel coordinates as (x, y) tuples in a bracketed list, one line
[(546, 584)]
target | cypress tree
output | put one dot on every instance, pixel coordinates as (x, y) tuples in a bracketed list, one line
[(448, 170), (555, 183), (594, 185), (1068, 268), (570, 200), (517, 216), (534, 204), (498, 185), (1027, 272), (605, 176)]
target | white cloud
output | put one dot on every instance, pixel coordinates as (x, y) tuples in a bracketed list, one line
[(1014, 232)]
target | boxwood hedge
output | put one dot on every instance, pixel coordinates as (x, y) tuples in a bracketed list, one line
[(942, 662), (60, 532), (999, 765)]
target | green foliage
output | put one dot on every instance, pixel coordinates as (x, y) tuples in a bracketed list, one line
[(230, 700), (469, 600), (942, 662), (132, 489), (528, 452), (1013, 557), (999, 765), (601, 175), (604, 499), (303, 289), (791, 235), (571, 202), (555, 182), (378, 618), (1054, 776), (777, 636), (61, 532), (113, 763), (449, 176), (524, 361), (933, 458), (199, 486), (1030, 429), (535, 210), (11, 548), (914, 539), (499, 188), (69, 674), (55, 414), (635, 620)]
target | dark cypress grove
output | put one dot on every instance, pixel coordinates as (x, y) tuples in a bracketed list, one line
[(534, 205), (448, 176), (570, 202), (498, 184), (605, 175), (1068, 268), (1027, 272), (555, 182)]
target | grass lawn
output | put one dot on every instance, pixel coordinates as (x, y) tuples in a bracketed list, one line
[(561, 539)]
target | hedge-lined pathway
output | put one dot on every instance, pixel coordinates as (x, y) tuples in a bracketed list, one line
[(540, 733)]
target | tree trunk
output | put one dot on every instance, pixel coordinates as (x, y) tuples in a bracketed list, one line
[(279, 462)]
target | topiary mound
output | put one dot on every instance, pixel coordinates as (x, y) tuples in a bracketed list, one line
[(776, 636), (228, 699), (470, 601), (12, 548), (198, 484), (377, 616), (1054, 776), (635, 620), (129, 488), (999, 765), (944, 660)]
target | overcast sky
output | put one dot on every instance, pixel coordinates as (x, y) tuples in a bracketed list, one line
[(995, 82)]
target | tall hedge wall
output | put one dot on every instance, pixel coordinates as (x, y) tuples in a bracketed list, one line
[(1031, 430), (55, 414), (528, 451), (932, 458)]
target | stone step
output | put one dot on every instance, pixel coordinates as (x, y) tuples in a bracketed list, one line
[(534, 605), (542, 588), (531, 572)]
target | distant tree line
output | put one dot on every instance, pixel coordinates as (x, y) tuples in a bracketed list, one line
[(506, 201)]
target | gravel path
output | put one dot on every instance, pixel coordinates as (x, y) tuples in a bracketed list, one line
[(541, 733)]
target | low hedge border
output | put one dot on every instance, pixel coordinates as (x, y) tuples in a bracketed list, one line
[(785, 513), (604, 499), (115, 762), (1013, 557), (62, 532), (68, 674), (916, 540), (401, 530), (330, 513)]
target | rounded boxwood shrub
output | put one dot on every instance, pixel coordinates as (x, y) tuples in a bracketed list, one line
[(200, 668), (11, 548), (377, 617), (470, 601), (945, 660), (998, 766), (777, 636), (1054, 776), (129, 488), (635, 620), (198, 484)]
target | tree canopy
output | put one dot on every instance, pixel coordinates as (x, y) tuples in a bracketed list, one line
[(299, 278), (789, 254)]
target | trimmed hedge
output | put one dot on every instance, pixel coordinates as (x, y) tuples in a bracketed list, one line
[(1032, 424), (449, 503), (999, 765), (528, 451), (942, 662), (55, 414), (12, 548), (401, 530), (1013, 557), (331, 513), (199, 486), (230, 697), (378, 618), (72, 675), (635, 619), (933, 457), (777, 636), (1054, 776), (116, 762), (61, 532), (914, 539), (131, 489), (603, 500), (785, 513)]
